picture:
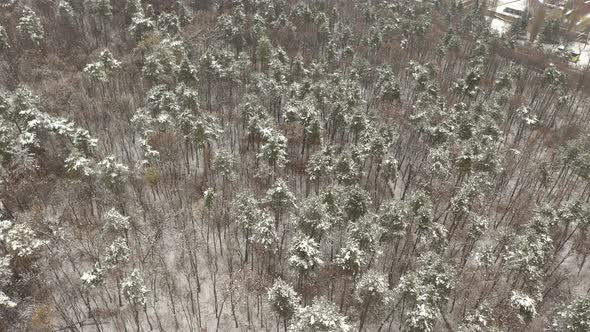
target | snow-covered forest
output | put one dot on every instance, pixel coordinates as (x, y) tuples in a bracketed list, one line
[(288, 165)]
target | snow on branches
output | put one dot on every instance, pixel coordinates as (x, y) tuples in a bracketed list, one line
[(283, 299), (115, 222), (525, 305), (305, 253), (19, 239), (104, 68), (117, 253), (427, 289), (29, 25), (321, 316), (18, 243), (572, 317), (4, 42), (93, 278), (22, 125), (134, 289)]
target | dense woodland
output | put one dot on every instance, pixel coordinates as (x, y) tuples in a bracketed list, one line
[(288, 165)]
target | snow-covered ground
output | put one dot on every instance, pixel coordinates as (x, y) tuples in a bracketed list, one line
[(575, 46), (502, 26), (584, 53)]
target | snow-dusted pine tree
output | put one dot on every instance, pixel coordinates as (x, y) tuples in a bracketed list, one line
[(29, 25)]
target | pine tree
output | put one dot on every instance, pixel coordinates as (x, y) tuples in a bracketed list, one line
[(313, 219), (347, 171), (245, 212), (550, 34), (392, 217), (4, 42), (184, 13), (141, 25), (112, 173), (529, 252), (101, 8), (280, 199), (225, 165), (103, 69), (133, 7), (19, 239), (356, 203), (479, 319), (274, 148), (305, 254), (283, 299), (65, 10), (168, 23), (351, 258), (372, 290), (115, 222), (264, 231), (553, 76), (117, 254), (525, 305), (134, 289), (29, 25), (187, 73), (208, 197), (573, 317), (93, 278), (78, 163), (321, 316), (320, 164), (231, 27), (161, 63), (427, 290), (109, 63)]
